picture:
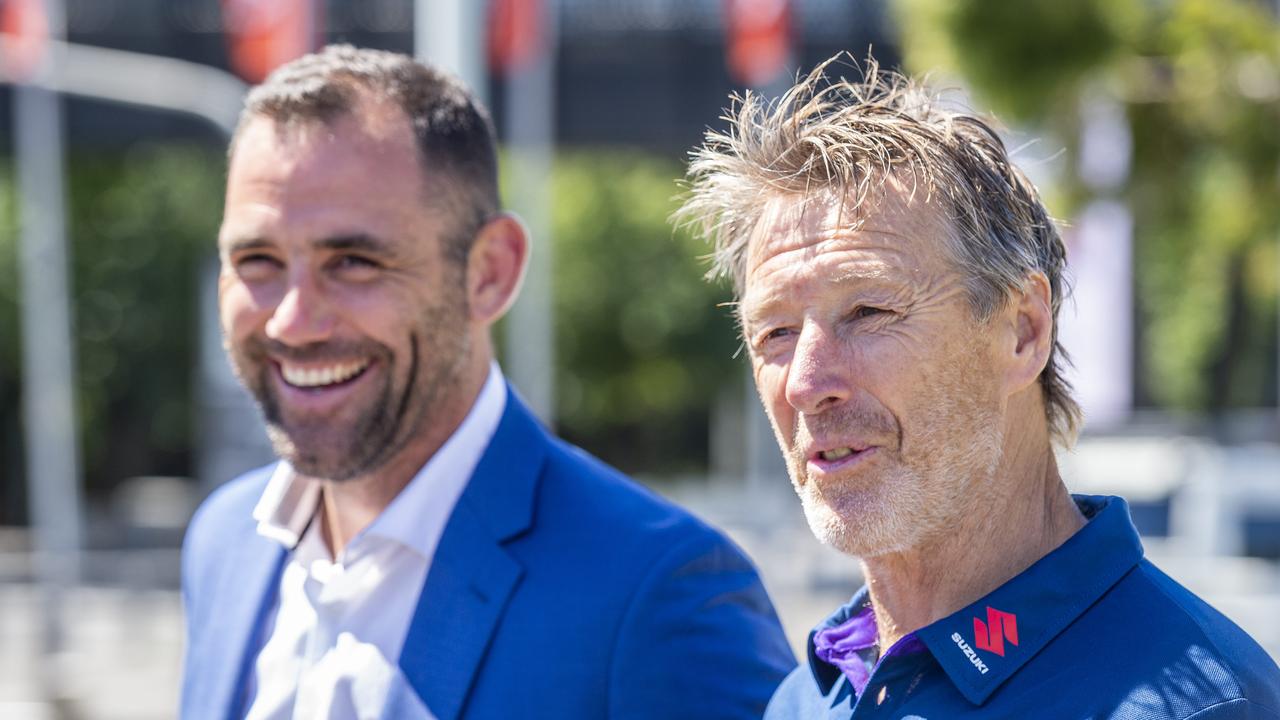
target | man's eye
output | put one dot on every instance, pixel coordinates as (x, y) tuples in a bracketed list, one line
[(354, 261), (355, 267), (774, 334), (256, 266), (867, 311)]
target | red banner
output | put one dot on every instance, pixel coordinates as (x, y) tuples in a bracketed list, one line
[(26, 33), (759, 39), (515, 34), (265, 34)]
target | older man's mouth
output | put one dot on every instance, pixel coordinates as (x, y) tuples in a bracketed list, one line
[(841, 457)]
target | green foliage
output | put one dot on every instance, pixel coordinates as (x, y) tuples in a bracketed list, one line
[(1026, 55), (1200, 82), (641, 348), (10, 352), (140, 225)]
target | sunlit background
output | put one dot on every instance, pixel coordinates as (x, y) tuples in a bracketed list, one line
[(1152, 128)]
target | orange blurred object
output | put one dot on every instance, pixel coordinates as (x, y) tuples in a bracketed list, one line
[(26, 27), (264, 34), (515, 34), (759, 39)]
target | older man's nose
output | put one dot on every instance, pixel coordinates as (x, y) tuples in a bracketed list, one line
[(819, 373)]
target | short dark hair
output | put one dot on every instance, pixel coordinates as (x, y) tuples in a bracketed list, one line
[(454, 133)]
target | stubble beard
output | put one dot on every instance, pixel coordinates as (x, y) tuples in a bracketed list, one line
[(316, 447), (910, 495)]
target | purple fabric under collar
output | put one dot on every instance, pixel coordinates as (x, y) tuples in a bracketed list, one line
[(850, 647)]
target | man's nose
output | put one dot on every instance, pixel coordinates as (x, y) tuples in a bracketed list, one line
[(303, 315), (820, 373)]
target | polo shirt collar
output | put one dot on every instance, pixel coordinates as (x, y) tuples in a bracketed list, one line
[(825, 674), (1038, 604), (1022, 616)]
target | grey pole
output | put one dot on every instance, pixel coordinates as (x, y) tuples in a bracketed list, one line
[(52, 451), (48, 356), (766, 468), (529, 132), (450, 35)]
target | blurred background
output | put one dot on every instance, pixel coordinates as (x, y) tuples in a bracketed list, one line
[(1152, 128)]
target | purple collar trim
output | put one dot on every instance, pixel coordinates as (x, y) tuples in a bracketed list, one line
[(850, 646)]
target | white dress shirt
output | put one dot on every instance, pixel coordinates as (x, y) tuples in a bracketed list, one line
[(339, 623)]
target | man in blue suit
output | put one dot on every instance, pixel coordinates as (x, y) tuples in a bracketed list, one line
[(424, 548)]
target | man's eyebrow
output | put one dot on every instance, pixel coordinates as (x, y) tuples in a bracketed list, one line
[(757, 312), (355, 241), (246, 244)]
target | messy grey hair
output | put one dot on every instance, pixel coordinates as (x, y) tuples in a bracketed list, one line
[(829, 135), (453, 131)]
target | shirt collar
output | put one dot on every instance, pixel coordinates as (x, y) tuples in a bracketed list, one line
[(1010, 625), (825, 674), (287, 505), (289, 501)]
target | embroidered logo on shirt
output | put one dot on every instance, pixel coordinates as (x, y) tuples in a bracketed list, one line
[(969, 653), (1000, 626)]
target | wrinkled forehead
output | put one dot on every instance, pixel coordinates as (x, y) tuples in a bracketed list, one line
[(896, 215)]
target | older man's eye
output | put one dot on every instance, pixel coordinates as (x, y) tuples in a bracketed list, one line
[(766, 338), (867, 311)]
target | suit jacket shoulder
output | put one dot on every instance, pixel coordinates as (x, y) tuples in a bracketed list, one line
[(224, 517), (229, 575), (640, 607)]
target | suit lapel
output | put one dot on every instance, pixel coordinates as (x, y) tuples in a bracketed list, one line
[(247, 593), (472, 575)]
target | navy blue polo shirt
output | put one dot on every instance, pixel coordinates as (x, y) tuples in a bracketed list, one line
[(1091, 630)]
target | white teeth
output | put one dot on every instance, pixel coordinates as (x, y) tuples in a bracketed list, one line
[(316, 377), (831, 455)]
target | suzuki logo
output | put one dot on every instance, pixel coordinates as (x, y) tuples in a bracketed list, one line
[(990, 635)]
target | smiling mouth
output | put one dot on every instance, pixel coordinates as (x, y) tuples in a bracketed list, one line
[(324, 376), (840, 457)]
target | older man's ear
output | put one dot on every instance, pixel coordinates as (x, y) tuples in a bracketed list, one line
[(1028, 332)]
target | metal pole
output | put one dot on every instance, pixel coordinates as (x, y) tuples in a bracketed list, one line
[(48, 355), (766, 468), (529, 131), (449, 34)]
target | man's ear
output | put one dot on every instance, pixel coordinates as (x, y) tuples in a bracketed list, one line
[(1030, 316), (495, 267)]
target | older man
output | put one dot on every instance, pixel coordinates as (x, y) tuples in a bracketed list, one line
[(899, 283), (425, 548)]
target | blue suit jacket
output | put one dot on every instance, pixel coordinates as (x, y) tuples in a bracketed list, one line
[(559, 589)]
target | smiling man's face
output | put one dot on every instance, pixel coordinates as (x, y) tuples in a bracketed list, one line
[(878, 381), (340, 311)]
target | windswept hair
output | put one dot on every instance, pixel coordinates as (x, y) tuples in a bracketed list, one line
[(829, 136)]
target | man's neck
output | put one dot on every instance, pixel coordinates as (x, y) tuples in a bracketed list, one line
[(915, 588), (349, 506)]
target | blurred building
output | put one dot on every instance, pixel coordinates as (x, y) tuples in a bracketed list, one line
[(648, 73), (644, 74)]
